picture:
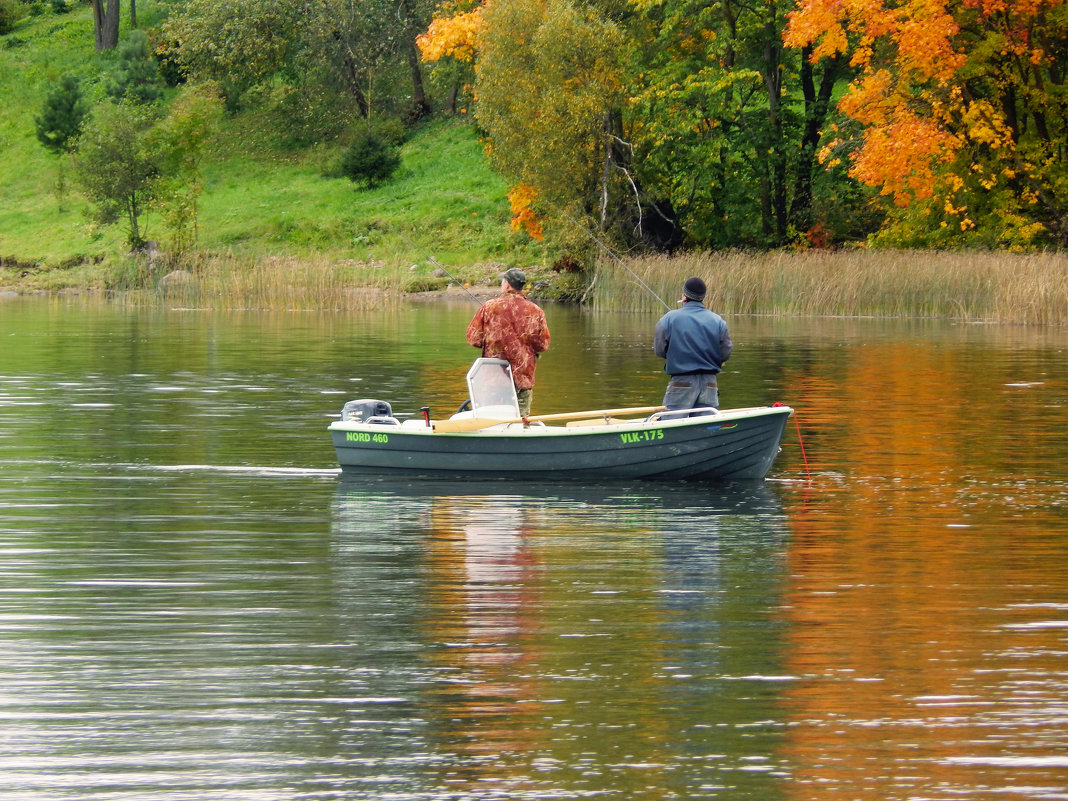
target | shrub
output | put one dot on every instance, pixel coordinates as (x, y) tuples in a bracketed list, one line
[(11, 11), (423, 283), (370, 159), (168, 63), (390, 129)]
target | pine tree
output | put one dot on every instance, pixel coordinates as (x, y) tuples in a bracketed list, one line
[(370, 159), (63, 115), (136, 76)]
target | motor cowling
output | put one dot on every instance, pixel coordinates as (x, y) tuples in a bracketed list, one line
[(360, 411)]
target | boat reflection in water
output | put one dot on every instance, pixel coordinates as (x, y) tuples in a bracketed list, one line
[(566, 636)]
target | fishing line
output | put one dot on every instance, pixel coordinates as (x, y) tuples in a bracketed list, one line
[(600, 243), (611, 254), (439, 265)]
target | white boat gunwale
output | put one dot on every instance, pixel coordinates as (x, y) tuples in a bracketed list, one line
[(541, 429)]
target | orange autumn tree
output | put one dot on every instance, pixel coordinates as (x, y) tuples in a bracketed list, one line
[(452, 34), (521, 199), (962, 112), (451, 43)]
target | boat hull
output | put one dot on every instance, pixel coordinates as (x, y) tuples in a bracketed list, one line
[(733, 445)]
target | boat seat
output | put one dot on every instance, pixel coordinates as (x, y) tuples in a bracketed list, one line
[(598, 421), (491, 390), (678, 414), (488, 413)]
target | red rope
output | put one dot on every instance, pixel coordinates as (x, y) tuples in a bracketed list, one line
[(800, 442), (797, 424)]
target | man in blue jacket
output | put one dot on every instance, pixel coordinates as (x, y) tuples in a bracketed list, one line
[(695, 342)]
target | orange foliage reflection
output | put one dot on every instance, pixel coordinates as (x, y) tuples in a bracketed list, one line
[(904, 687)]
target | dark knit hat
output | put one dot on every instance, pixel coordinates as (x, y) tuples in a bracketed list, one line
[(515, 277), (694, 289)]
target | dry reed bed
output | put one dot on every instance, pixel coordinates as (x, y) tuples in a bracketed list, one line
[(282, 284), (997, 287)]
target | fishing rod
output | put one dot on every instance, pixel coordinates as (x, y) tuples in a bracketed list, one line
[(611, 254), (574, 222), (425, 410), (439, 265)]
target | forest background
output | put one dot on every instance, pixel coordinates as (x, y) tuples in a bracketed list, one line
[(371, 141)]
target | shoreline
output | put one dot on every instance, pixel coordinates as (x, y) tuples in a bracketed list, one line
[(451, 293), (1029, 289)]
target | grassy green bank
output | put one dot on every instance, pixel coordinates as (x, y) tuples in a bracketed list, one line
[(278, 229), (287, 214), (264, 199)]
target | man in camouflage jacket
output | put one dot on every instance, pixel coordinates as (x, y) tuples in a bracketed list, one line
[(513, 328)]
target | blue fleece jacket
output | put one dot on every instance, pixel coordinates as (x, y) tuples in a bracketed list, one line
[(693, 339)]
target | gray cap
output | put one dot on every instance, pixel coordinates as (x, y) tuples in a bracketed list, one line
[(515, 277)]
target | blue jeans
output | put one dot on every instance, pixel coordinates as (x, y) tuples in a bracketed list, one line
[(691, 391)]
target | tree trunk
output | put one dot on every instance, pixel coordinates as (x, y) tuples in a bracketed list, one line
[(106, 24), (606, 173), (420, 105), (1039, 110), (352, 75), (816, 105), (98, 24), (133, 212), (133, 13), (777, 158), (454, 93)]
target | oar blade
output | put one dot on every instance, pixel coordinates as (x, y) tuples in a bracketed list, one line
[(469, 424), (478, 423)]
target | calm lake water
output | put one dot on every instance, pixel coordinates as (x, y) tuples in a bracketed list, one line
[(194, 605)]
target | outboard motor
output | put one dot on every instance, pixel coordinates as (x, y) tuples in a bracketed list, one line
[(361, 411)]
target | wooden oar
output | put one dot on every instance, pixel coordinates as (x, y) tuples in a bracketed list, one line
[(475, 423)]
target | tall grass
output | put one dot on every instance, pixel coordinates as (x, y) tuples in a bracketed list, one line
[(279, 284), (990, 286)]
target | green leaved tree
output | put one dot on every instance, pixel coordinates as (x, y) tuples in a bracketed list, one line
[(727, 120), (550, 99), (181, 139), (118, 164), (11, 11), (238, 43)]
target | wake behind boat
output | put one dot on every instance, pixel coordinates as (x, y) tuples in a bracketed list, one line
[(492, 441)]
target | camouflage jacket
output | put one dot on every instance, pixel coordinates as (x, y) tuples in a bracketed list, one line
[(511, 327)]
